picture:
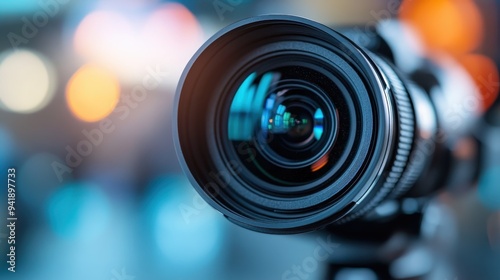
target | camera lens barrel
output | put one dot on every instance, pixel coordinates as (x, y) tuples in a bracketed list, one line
[(286, 126)]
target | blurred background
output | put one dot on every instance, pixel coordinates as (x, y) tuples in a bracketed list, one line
[(86, 94)]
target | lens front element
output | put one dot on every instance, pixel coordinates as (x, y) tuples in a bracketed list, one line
[(287, 121)]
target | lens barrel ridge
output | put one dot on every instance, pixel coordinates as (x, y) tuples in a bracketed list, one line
[(405, 135)]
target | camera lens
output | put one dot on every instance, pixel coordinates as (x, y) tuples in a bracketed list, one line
[(287, 121), (286, 126)]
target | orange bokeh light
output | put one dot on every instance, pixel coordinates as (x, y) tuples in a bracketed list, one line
[(92, 93), (485, 74), (453, 26)]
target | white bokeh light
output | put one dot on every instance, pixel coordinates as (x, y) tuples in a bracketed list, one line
[(27, 81), (164, 38)]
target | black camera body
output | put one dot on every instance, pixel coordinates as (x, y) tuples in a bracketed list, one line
[(287, 126)]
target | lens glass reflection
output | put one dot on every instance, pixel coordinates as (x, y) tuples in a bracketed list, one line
[(282, 125)]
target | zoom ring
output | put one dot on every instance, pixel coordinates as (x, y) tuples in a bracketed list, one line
[(405, 139)]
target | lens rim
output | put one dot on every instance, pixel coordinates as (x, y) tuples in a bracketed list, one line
[(294, 215)]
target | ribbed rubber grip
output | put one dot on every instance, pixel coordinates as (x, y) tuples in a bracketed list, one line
[(405, 132)]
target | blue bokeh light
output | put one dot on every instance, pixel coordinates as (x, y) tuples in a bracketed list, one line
[(79, 211), (187, 232), (19, 6)]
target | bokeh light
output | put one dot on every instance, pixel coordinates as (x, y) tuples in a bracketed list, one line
[(484, 72), (416, 262), (489, 188), (79, 211), (27, 81), (92, 93), (187, 232), (18, 7), (457, 97), (174, 35), (167, 36), (453, 26), (110, 38)]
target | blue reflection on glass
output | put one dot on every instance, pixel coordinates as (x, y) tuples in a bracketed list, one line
[(318, 124), (281, 109), (247, 106)]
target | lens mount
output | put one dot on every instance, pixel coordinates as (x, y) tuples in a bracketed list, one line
[(340, 135)]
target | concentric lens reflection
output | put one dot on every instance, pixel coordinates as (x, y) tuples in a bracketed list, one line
[(285, 121), (292, 120)]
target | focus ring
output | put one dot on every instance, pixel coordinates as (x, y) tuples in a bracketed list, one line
[(407, 124), (415, 165), (405, 139)]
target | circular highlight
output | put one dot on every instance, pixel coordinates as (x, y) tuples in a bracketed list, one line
[(92, 93), (445, 25), (79, 211), (173, 34), (27, 81), (186, 231), (102, 34), (110, 39)]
